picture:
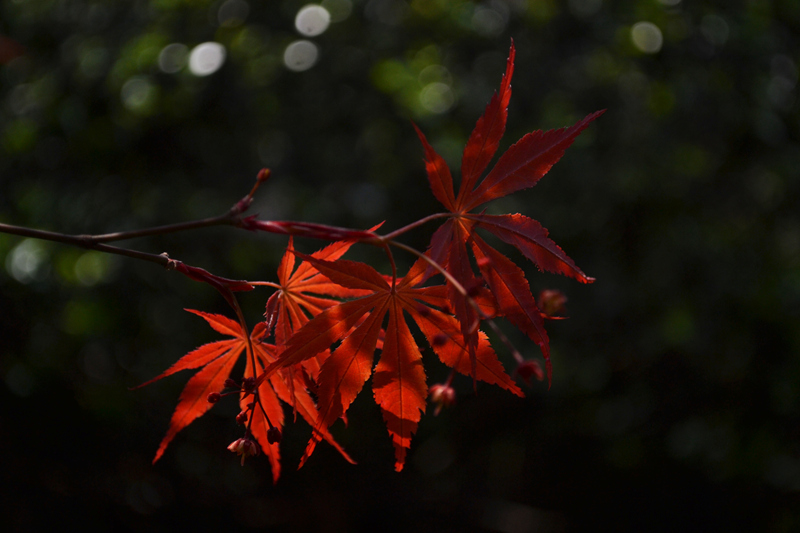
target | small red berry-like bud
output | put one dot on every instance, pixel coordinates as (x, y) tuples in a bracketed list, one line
[(241, 418), (213, 397), (274, 435), (552, 302), (423, 310), (231, 384), (530, 369), (263, 174), (245, 447), (443, 396), (248, 384)]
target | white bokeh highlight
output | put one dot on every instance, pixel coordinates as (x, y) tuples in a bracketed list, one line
[(27, 261), (312, 20), (647, 37), (206, 58), (300, 55)]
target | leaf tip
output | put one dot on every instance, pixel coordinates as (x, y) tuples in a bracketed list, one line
[(158, 455)]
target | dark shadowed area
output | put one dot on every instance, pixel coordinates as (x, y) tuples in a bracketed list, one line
[(675, 403)]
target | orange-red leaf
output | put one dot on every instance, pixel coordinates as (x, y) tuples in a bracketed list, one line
[(193, 402), (507, 282), (349, 274), (485, 138), (344, 373), (299, 290), (291, 390), (399, 384), (194, 359), (530, 238), (460, 268), (452, 351), (219, 359), (526, 162), (521, 166), (438, 174), (220, 323), (328, 327), (259, 425)]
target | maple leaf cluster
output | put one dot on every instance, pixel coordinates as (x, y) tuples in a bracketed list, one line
[(329, 316)]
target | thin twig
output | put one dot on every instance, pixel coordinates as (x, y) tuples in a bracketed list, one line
[(81, 242), (396, 233), (222, 220)]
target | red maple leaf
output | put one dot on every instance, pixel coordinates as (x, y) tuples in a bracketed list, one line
[(302, 294), (305, 291), (520, 167), (217, 359), (398, 383)]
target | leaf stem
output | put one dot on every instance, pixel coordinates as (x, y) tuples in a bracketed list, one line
[(396, 233), (391, 261), (265, 284), (460, 288)]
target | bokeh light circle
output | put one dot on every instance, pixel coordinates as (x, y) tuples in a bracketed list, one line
[(206, 58), (647, 37), (437, 97), (172, 58), (312, 20), (300, 55)]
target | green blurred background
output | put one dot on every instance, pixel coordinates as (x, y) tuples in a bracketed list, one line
[(676, 396)]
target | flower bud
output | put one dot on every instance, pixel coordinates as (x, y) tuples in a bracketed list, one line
[(530, 369), (245, 447), (248, 384), (443, 396), (274, 435), (241, 418), (263, 175), (271, 313), (552, 302), (213, 397), (231, 384)]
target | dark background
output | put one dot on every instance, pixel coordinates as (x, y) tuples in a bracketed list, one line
[(675, 403)]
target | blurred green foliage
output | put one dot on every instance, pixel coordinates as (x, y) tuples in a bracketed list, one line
[(676, 395)]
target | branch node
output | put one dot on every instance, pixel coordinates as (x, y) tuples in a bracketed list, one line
[(171, 264), (87, 241)]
